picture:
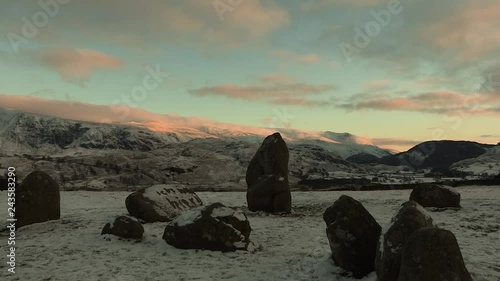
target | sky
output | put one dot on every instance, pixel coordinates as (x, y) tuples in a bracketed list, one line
[(398, 72)]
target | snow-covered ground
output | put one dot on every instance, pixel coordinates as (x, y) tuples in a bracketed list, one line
[(292, 247)]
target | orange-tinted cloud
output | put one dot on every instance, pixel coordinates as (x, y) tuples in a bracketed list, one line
[(310, 58), (76, 64), (325, 4), (438, 102), (274, 88), (375, 85), (431, 82), (261, 92)]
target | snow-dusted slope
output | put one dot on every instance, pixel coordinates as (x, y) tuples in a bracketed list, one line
[(31, 133), (486, 164)]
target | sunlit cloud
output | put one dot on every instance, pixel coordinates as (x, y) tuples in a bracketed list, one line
[(310, 58), (325, 4), (437, 102), (76, 64), (375, 85), (274, 89)]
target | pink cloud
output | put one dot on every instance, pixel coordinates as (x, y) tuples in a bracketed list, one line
[(290, 56), (276, 78), (439, 102), (274, 88), (431, 82), (375, 85), (325, 4), (76, 64)]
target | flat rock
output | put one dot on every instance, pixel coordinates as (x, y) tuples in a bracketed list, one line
[(434, 195), (161, 203)]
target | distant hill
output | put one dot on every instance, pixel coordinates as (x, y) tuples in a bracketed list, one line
[(436, 154)]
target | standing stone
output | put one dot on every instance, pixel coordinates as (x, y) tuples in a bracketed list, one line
[(214, 227), (432, 254), (410, 218), (267, 177), (124, 227), (353, 234), (161, 203), (434, 195), (37, 199)]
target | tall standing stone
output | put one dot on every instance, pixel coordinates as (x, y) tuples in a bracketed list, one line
[(37, 199), (267, 177)]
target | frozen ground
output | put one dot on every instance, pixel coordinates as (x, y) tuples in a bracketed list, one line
[(292, 247)]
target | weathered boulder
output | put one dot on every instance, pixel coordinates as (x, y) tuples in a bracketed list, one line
[(353, 234), (432, 254), (410, 218), (213, 227), (434, 195), (124, 227), (267, 177), (37, 199), (161, 202)]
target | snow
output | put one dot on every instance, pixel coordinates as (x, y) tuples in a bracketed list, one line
[(222, 212), (188, 217), (290, 247)]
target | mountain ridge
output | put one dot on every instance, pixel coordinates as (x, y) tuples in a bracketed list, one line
[(39, 133)]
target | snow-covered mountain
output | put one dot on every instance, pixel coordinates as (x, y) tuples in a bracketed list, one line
[(90, 155), (29, 133)]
